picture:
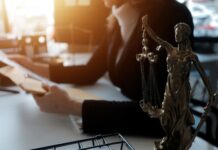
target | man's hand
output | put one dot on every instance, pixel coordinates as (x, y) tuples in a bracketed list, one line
[(58, 101)]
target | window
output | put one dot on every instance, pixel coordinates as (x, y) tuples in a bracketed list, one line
[(205, 16), (1, 18), (30, 16), (77, 2), (4, 27), (84, 2)]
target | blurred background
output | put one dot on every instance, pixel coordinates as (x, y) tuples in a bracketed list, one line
[(74, 25), (34, 26)]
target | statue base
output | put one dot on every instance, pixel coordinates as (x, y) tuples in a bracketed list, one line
[(168, 144)]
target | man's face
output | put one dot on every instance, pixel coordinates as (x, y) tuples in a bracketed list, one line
[(110, 3)]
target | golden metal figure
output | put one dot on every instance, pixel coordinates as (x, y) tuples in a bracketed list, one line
[(175, 116)]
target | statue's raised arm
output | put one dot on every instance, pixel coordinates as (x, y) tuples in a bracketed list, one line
[(154, 36)]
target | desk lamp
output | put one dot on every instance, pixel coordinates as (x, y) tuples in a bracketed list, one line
[(173, 111)]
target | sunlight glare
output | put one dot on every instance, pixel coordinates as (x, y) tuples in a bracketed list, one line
[(27, 14)]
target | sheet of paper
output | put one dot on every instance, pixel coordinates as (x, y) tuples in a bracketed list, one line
[(33, 86), (18, 74), (78, 94), (21, 79), (8, 62), (36, 87), (14, 74)]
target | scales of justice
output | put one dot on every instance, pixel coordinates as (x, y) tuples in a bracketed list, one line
[(173, 111)]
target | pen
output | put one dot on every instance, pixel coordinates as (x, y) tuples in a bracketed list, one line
[(9, 90)]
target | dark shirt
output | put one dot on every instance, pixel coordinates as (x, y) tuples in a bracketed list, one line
[(125, 117)]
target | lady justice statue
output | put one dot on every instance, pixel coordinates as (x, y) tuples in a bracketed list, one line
[(174, 112)]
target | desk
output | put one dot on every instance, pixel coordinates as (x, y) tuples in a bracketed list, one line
[(24, 127)]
